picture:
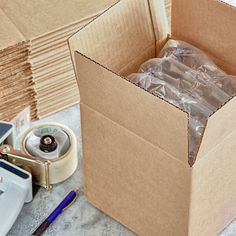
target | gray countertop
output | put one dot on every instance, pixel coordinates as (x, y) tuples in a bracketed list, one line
[(81, 218)]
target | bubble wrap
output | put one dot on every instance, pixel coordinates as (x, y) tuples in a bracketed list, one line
[(187, 78)]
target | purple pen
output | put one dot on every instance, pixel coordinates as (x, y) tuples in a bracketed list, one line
[(70, 198)]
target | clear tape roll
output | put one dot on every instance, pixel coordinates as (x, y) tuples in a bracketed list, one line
[(57, 169)]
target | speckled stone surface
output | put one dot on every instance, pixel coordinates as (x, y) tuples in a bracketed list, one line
[(80, 219)]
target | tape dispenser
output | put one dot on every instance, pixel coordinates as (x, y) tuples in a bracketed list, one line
[(48, 156), (48, 152)]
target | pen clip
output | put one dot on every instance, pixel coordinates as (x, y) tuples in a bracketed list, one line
[(77, 194)]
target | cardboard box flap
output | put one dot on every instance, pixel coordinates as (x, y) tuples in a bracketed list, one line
[(115, 31), (138, 178), (133, 108), (208, 25), (220, 125), (160, 19), (213, 194), (168, 11)]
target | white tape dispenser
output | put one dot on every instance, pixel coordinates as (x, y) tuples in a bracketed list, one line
[(15, 190), (48, 152)]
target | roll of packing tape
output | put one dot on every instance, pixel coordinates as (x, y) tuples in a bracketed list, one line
[(54, 147)]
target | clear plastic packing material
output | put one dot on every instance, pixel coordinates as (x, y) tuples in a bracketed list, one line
[(187, 78)]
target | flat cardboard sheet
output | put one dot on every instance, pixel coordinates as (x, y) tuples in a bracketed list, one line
[(10, 35), (53, 14)]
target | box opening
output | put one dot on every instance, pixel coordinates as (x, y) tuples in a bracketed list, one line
[(134, 40)]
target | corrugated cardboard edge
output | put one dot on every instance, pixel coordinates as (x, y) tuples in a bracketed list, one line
[(16, 26), (213, 193), (161, 25), (177, 116)]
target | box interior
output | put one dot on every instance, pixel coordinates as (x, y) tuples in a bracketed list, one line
[(196, 22), (135, 31)]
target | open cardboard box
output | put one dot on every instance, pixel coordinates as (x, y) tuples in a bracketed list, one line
[(135, 145)]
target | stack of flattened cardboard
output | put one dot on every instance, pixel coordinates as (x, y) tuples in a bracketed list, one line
[(46, 26), (15, 75)]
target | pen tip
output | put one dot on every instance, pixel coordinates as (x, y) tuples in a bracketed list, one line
[(77, 192)]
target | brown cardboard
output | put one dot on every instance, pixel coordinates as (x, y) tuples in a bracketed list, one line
[(16, 84), (168, 11), (57, 87), (10, 35), (43, 27), (58, 35), (218, 128), (135, 146), (160, 22), (213, 189), (55, 14), (121, 199), (56, 72), (200, 23), (62, 103), (138, 105), (140, 38)]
